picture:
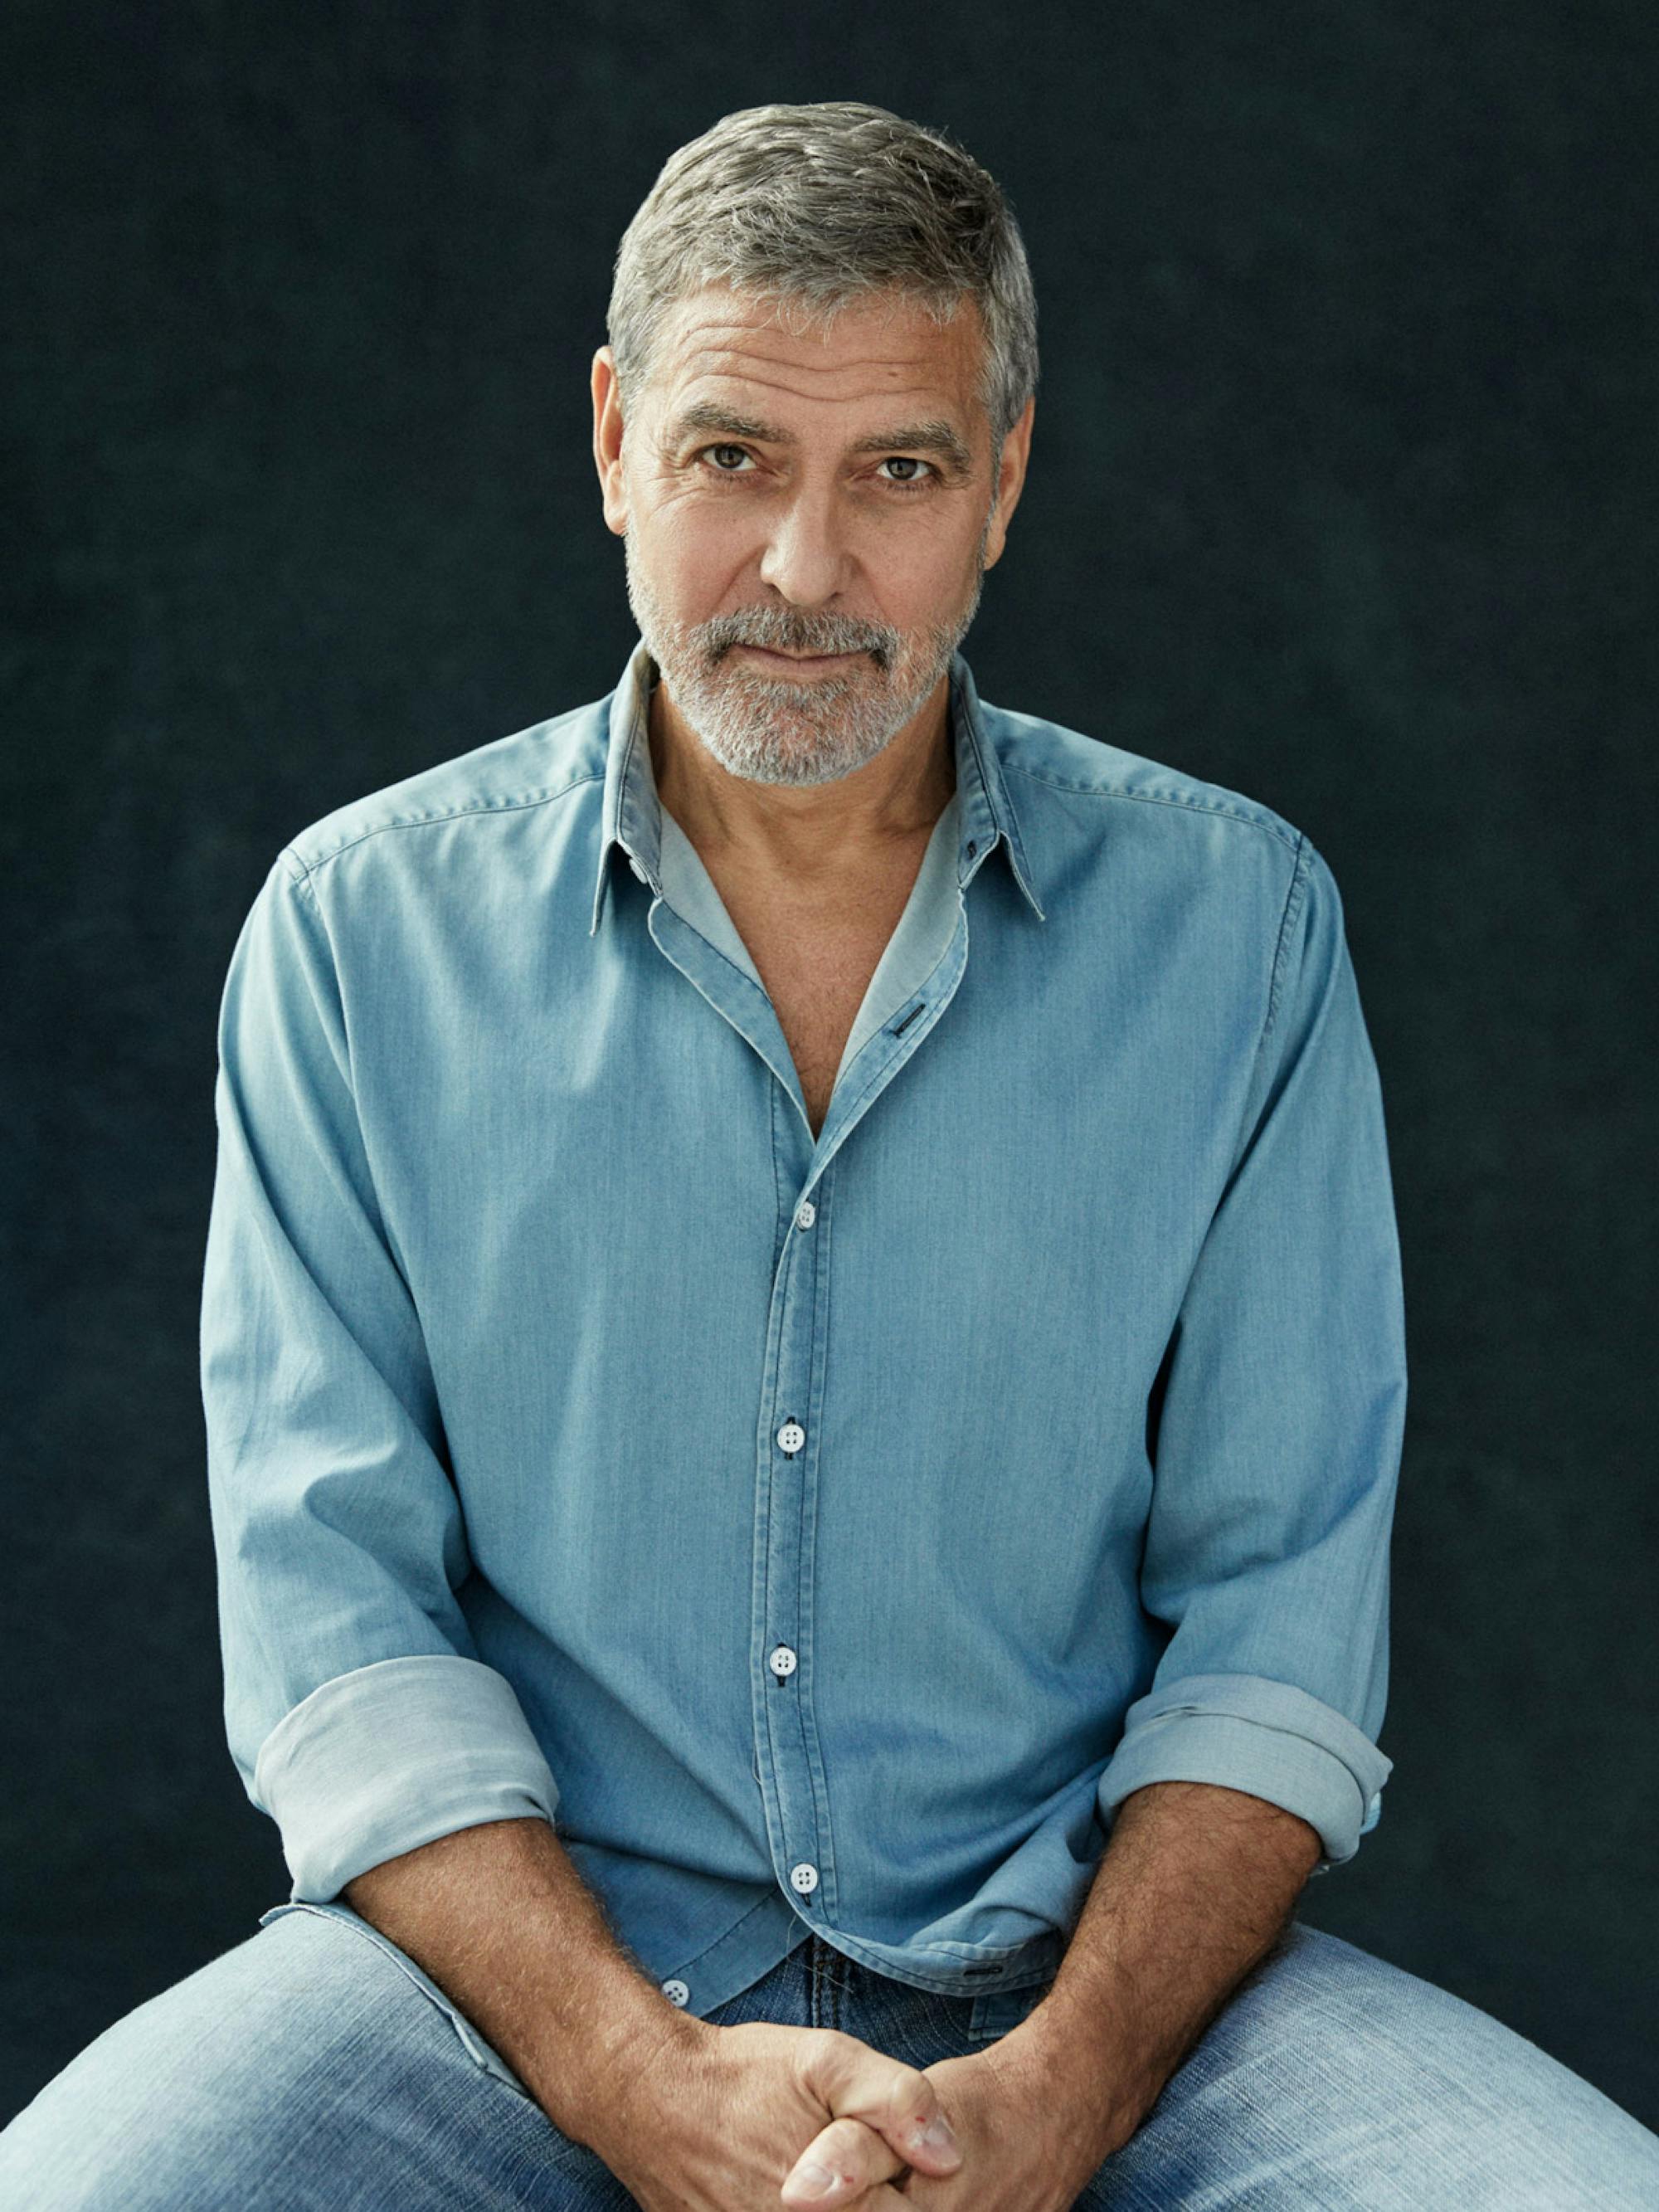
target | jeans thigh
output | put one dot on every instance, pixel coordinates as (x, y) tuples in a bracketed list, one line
[(313, 2068), (1333, 2080)]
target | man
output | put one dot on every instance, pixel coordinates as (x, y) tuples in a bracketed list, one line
[(803, 1513)]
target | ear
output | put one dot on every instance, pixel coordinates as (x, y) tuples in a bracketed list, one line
[(608, 439), (1010, 482)]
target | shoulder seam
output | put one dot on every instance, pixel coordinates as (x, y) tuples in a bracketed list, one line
[(1294, 895), (309, 868), (1157, 798)]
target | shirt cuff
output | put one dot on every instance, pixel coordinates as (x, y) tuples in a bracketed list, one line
[(1248, 1733), (390, 1756)]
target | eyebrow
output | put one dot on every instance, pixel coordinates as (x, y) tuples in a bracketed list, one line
[(934, 435)]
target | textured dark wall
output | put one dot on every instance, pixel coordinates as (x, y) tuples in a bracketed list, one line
[(1341, 494)]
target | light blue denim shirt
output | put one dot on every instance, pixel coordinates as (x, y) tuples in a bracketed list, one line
[(822, 1534)]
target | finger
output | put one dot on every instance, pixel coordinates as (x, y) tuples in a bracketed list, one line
[(839, 2166), (900, 2103), (897, 2103)]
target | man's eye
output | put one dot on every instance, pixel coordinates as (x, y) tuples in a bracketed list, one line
[(910, 484), (893, 484)]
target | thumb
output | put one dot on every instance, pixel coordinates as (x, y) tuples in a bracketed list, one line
[(899, 2103)]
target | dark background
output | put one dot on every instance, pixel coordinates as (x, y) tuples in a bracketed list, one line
[(1342, 494)]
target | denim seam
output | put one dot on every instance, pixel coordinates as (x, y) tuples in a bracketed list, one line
[(1154, 799), (455, 814), (465, 2033), (309, 868), (1294, 897)]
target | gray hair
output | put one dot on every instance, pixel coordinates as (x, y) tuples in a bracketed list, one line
[(814, 206)]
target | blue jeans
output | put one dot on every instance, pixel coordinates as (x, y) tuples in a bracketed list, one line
[(315, 2066)]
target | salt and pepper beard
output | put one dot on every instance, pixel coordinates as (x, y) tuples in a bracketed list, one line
[(772, 728)]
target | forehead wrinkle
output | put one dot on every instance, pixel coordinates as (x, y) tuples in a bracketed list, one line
[(728, 351), (895, 393), (755, 333), (707, 360), (933, 397), (714, 334)]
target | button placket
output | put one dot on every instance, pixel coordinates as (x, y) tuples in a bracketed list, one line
[(795, 1350)]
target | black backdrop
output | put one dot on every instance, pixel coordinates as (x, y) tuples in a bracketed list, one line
[(1341, 495)]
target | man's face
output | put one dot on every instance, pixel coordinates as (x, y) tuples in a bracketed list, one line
[(752, 515)]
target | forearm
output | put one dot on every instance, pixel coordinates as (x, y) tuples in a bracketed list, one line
[(501, 1920), (1196, 1884)]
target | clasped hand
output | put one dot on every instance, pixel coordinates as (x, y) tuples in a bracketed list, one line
[(1021, 2149), (729, 2120)]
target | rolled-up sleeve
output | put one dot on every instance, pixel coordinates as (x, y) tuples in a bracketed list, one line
[(358, 1713), (1278, 1434)]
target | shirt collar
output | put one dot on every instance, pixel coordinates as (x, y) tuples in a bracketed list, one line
[(632, 812)]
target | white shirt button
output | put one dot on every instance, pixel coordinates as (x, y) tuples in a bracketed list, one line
[(804, 1879), (677, 1993), (805, 1214), (783, 1663), (790, 1436)]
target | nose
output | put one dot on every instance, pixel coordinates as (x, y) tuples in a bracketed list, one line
[(806, 557)]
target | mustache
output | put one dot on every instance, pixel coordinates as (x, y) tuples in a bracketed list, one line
[(805, 646)]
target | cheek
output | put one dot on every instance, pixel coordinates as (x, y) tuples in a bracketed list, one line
[(923, 573), (696, 543)]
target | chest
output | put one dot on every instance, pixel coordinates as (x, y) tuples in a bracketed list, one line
[(815, 957)]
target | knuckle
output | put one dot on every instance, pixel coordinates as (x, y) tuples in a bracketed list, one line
[(814, 2050), (914, 2097)]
